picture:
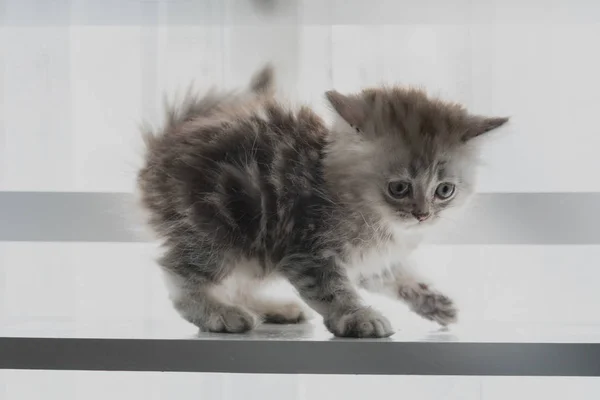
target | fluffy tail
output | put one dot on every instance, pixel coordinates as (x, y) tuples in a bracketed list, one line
[(193, 105), (263, 81)]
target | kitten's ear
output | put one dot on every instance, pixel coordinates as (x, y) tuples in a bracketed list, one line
[(478, 125), (350, 108)]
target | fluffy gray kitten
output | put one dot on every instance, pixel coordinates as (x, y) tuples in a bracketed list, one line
[(244, 190)]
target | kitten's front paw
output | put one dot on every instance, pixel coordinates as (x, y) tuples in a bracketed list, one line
[(362, 323), (437, 307)]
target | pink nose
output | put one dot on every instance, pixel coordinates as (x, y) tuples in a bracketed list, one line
[(421, 216)]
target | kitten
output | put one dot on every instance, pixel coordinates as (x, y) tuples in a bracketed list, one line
[(243, 190)]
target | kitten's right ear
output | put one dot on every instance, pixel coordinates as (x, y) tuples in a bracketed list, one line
[(478, 125), (351, 108)]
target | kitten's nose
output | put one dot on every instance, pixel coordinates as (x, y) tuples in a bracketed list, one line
[(421, 216)]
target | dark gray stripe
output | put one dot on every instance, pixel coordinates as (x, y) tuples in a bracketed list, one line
[(68, 217), (527, 218), (302, 357), (499, 218)]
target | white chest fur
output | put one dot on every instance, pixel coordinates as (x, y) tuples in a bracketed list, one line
[(378, 261)]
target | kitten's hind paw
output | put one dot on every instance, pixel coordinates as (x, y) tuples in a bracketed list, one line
[(362, 323), (230, 320), (290, 313)]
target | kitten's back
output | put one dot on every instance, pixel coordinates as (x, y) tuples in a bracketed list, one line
[(232, 170)]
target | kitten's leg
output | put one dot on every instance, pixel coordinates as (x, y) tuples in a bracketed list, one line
[(200, 304), (421, 298), (428, 302), (325, 287), (198, 299)]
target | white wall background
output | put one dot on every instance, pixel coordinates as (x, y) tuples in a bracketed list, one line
[(76, 78)]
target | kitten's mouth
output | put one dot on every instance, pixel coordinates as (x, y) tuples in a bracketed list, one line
[(410, 220), (430, 220), (407, 218)]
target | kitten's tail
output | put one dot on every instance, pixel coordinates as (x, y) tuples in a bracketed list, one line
[(193, 105), (263, 81)]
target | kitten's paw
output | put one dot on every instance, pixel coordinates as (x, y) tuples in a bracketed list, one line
[(230, 320), (437, 307), (362, 323), (288, 313)]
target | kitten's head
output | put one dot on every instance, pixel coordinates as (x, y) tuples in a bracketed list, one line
[(404, 154)]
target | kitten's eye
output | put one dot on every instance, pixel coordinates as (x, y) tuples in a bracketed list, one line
[(444, 190), (398, 189)]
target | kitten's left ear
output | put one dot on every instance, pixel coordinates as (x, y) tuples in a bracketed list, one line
[(350, 108), (477, 125)]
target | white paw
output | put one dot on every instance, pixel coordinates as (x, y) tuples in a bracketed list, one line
[(362, 323)]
